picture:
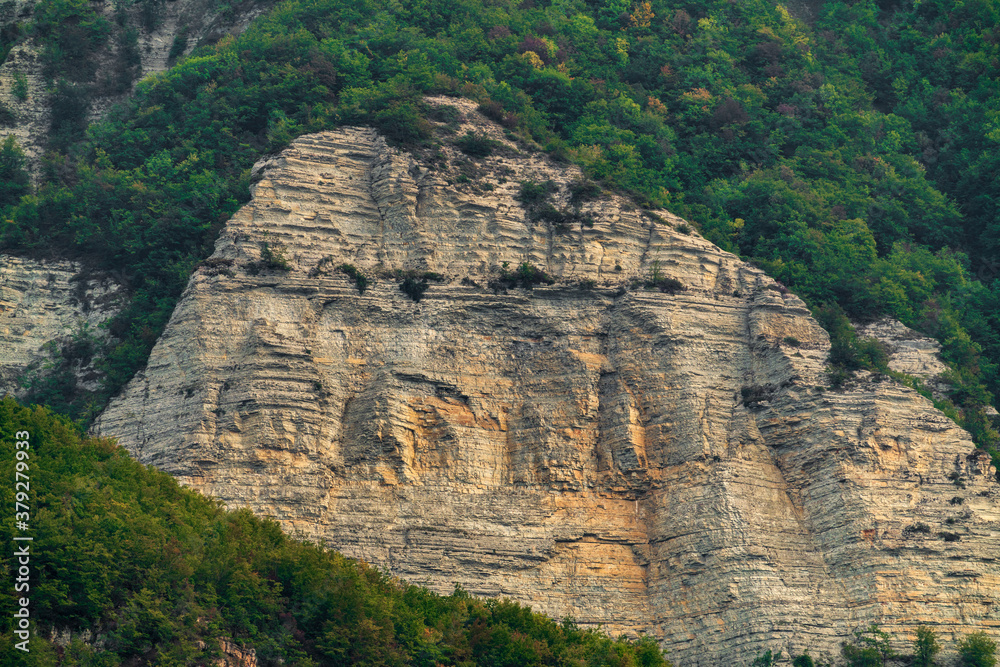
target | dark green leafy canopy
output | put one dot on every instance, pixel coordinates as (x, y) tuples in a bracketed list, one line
[(14, 179), (871, 648), (977, 650), (925, 647)]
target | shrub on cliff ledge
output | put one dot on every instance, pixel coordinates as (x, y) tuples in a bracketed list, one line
[(533, 194), (871, 648), (925, 647), (359, 279), (477, 145), (414, 288), (977, 650), (766, 659), (526, 276)]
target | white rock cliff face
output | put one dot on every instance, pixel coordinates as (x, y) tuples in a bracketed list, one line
[(654, 462)]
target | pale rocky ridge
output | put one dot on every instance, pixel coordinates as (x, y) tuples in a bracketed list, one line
[(909, 351), (912, 353), (661, 463)]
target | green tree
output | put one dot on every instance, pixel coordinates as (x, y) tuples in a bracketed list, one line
[(977, 650), (871, 648), (804, 660), (14, 179), (20, 86), (925, 647), (766, 659)]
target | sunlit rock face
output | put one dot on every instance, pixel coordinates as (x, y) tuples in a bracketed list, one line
[(666, 462)]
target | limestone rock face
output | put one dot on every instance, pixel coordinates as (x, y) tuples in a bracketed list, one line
[(910, 352), (42, 302), (659, 462)]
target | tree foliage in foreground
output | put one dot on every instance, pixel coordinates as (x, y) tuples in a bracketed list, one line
[(162, 573), (925, 647), (853, 158), (977, 650)]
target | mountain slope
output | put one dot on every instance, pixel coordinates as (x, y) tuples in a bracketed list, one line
[(826, 152), (589, 407)]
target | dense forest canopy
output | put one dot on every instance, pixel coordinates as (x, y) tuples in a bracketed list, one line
[(853, 157)]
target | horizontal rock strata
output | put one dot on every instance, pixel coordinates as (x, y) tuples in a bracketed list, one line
[(666, 462), (42, 303)]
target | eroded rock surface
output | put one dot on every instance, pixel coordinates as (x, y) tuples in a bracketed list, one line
[(910, 352), (43, 302), (656, 462)]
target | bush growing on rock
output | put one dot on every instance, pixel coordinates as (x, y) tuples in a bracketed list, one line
[(414, 288), (532, 194), (871, 648), (766, 659), (804, 660), (977, 650), (526, 276), (477, 145), (925, 647), (359, 279)]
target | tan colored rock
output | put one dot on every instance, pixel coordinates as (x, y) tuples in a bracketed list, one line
[(913, 353), (910, 352), (235, 655), (43, 302), (653, 462)]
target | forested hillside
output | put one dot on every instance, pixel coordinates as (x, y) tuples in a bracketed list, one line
[(852, 158)]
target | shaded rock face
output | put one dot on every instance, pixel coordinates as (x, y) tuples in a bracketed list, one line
[(655, 462), (43, 302), (193, 21)]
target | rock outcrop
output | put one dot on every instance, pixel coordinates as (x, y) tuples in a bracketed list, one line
[(192, 21), (666, 462), (43, 302), (909, 351)]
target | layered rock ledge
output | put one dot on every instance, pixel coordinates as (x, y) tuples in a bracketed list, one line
[(43, 303), (660, 462)]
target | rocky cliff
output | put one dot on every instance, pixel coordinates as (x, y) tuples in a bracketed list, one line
[(662, 460), (50, 302), (47, 301)]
